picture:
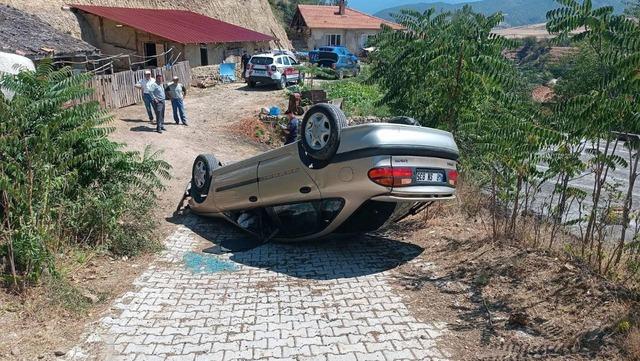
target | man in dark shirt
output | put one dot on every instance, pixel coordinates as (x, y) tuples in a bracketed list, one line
[(291, 131), (245, 63)]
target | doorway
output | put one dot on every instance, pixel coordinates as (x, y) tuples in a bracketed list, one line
[(204, 56), (150, 53)]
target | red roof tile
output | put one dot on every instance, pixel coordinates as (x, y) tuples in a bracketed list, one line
[(327, 17), (180, 26)]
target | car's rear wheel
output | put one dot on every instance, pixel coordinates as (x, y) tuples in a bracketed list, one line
[(201, 176), (340, 74), (320, 131), (282, 83), (252, 84)]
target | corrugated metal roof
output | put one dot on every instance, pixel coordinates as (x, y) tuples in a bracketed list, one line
[(180, 26), (327, 17)]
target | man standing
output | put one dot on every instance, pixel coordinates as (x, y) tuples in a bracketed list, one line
[(245, 64), (177, 92), (291, 131), (145, 85), (158, 94)]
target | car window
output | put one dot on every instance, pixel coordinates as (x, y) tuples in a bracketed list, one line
[(279, 60), (285, 60), (300, 219), (261, 60), (293, 62)]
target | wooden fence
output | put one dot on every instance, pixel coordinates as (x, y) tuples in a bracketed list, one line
[(118, 90)]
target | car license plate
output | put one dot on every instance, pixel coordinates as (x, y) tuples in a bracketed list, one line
[(259, 73), (429, 176)]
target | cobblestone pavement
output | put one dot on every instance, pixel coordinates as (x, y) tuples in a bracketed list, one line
[(313, 301)]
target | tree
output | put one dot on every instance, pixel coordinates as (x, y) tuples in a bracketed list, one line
[(633, 8), (445, 68), (62, 181)]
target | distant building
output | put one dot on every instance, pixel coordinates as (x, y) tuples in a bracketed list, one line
[(155, 37), (320, 25), (27, 35)]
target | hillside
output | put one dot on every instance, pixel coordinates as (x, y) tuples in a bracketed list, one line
[(253, 14), (517, 12)]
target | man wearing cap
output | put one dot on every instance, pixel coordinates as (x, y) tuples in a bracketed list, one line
[(158, 94), (145, 85), (177, 92)]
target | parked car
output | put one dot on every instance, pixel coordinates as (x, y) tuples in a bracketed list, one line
[(338, 58), (291, 54), (334, 180), (278, 69)]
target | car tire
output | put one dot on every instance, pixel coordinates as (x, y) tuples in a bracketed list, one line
[(340, 74), (282, 83), (320, 131), (404, 120), (252, 84), (201, 176)]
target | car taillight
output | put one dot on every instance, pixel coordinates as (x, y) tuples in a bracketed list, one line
[(391, 177), (452, 177), (333, 66), (250, 66)]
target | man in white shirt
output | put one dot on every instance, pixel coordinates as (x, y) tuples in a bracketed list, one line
[(145, 84)]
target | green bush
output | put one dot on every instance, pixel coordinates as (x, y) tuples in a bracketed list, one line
[(62, 181), (359, 99)]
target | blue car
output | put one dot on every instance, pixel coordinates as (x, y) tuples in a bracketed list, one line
[(338, 58)]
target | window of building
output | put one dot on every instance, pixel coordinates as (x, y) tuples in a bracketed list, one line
[(334, 40)]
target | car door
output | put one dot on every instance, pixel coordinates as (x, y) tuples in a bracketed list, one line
[(295, 72), (286, 71), (283, 179), (280, 65), (237, 187)]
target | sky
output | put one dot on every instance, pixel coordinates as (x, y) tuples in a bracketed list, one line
[(373, 6)]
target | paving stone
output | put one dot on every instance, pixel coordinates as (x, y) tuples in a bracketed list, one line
[(319, 301)]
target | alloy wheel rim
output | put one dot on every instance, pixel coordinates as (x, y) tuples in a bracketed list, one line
[(318, 131), (200, 174)]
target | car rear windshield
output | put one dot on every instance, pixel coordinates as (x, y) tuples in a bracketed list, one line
[(261, 60)]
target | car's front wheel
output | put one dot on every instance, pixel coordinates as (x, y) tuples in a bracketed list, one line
[(320, 131), (201, 176)]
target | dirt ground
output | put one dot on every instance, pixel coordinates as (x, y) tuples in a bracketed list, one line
[(500, 302), (36, 325), (506, 302)]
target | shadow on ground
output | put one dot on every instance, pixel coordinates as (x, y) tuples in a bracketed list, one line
[(332, 258), (142, 128), (138, 120), (258, 88)]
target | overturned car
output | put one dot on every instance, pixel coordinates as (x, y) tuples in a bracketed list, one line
[(334, 180)]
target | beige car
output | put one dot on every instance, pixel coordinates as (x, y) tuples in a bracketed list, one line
[(334, 180)]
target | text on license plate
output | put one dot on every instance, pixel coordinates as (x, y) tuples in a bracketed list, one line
[(259, 72), (427, 176)]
